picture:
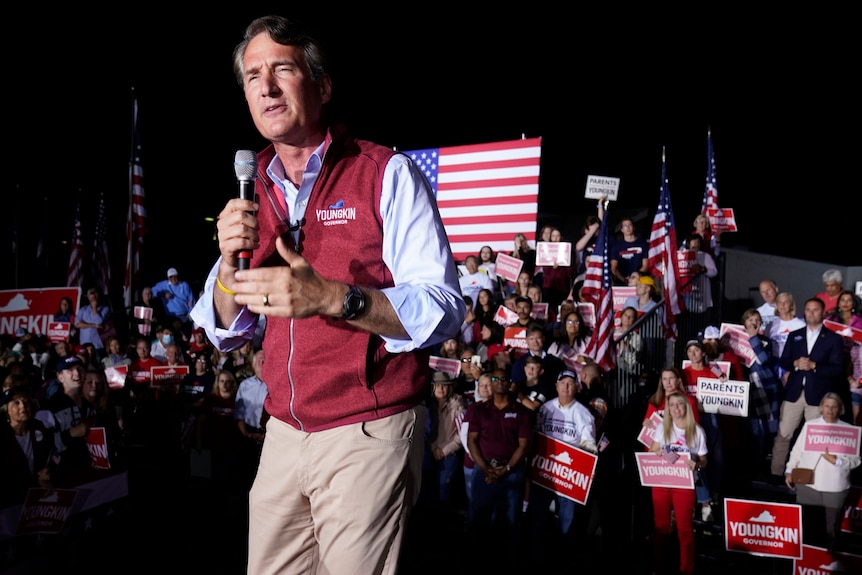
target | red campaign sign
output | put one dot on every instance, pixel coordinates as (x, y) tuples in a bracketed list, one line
[(33, 309), (550, 253), (588, 314), (45, 511), (721, 220), (516, 338), (838, 439), (116, 376), (736, 338), (817, 561), (763, 528), (621, 294), (505, 316), (168, 375), (97, 443), (656, 471), (648, 428), (540, 311), (508, 267), (562, 468), (851, 519), (686, 260), (844, 330), (59, 331), (447, 365)]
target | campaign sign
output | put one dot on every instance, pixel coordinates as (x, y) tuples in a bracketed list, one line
[(588, 314), (620, 294), (550, 253), (33, 309), (449, 366), (598, 186), (838, 439), (656, 471), (540, 311), (505, 316), (844, 330), (721, 220), (516, 338), (97, 443), (45, 510), (685, 261), (851, 518), (650, 425), (820, 561), (736, 338), (763, 528), (508, 267), (562, 468), (169, 376), (723, 366), (116, 376), (729, 397), (59, 331)]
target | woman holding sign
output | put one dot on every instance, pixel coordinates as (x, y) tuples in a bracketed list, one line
[(678, 436), (831, 466)]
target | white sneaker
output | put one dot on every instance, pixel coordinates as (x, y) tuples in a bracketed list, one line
[(706, 513)]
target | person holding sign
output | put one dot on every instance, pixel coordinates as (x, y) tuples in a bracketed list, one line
[(679, 436), (629, 253), (564, 419), (831, 467)]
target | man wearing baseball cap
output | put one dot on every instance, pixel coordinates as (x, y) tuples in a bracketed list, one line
[(177, 297)]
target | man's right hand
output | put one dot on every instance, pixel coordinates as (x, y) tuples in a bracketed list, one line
[(237, 229)]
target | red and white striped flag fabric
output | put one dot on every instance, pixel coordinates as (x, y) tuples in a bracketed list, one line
[(75, 273), (136, 226), (597, 289), (710, 194), (662, 256), (486, 193)]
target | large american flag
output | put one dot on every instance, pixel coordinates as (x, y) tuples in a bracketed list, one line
[(597, 289), (101, 262), (662, 256), (710, 194), (75, 273), (486, 193), (136, 226)]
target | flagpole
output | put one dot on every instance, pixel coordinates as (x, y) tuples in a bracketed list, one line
[(130, 228)]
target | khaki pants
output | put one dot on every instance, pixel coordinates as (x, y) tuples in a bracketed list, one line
[(790, 418), (335, 502)]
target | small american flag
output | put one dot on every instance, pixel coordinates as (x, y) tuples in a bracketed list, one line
[(710, 194), (102, 264), (662, 256), (74, 276), (486, 193), (136, 226), (597, 289)]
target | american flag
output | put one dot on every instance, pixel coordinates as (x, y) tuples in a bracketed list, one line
[(486, 193), (101, 263), (597, 289), (136, 226), (710, 194), (662, 256), (74, 276)]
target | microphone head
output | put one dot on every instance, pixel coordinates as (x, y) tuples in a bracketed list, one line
[(245, 165)]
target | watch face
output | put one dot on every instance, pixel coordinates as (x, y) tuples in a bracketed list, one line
[(354, 303)]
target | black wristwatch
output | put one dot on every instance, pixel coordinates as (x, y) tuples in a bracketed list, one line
[(354, 303)]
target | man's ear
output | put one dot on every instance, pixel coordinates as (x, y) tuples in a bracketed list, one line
[(325, 87)]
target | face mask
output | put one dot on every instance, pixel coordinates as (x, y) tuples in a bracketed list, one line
[(167, 340)]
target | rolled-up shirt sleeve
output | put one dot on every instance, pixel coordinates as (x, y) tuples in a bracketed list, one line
[(203, 315), (426, 296)]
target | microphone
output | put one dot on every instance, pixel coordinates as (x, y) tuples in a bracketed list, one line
[(245, 166)]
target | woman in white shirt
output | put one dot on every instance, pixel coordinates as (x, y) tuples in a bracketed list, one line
[(831, 470)]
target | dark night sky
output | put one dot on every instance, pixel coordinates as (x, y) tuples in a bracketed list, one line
[(605, 92)]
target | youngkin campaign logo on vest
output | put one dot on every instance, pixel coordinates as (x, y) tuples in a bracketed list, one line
[(336, 214)]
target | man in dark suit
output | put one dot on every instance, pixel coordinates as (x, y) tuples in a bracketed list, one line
[(813, 358)]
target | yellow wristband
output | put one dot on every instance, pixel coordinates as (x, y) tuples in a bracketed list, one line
[(222, 288)]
